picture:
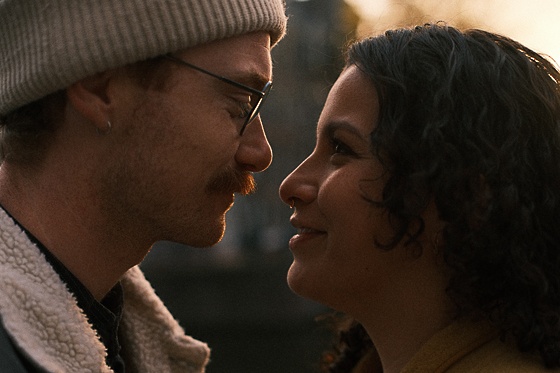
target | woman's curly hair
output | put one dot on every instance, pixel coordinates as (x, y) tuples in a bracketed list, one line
[(471, 120)]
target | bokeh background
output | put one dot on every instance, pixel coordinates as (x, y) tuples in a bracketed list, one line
[(234, 295)]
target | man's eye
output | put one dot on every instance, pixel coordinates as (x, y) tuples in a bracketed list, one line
[(245, 109)]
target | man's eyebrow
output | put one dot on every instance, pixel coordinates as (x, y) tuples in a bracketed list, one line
[(252, 79)]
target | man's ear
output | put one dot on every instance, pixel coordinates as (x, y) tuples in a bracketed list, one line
[(90, 98)]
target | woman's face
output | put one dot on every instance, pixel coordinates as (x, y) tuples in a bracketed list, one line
[(336, 260)]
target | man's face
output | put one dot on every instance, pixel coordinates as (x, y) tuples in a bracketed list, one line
[(177, 157)]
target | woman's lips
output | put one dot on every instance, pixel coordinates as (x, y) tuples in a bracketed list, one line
[(305, 234)]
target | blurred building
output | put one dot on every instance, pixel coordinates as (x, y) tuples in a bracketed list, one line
[(234, 295)]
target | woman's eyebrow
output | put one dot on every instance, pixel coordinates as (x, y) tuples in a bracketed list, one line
[(341, 125)]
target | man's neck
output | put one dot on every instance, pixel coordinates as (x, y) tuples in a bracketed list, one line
[(66, 224)]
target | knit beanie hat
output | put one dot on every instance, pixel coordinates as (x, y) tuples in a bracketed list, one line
[(46, 45)]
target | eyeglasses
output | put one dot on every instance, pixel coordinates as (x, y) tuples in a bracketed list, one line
[(257, 97)]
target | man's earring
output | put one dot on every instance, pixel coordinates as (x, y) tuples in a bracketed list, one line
[(107, 129), (436, 244)]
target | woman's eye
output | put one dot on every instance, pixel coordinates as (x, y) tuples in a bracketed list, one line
[(341, 148)]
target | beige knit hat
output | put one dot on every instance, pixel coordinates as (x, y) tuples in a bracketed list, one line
[(46, 45)]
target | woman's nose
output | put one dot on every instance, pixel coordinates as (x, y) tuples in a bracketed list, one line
[(299, 186)]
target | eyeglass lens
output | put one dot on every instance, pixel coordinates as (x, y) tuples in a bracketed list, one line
[(256, 104)]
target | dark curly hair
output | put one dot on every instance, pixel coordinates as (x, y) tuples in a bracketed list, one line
[(471, 120)]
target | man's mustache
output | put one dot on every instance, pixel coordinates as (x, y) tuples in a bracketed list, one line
[(232, 180)]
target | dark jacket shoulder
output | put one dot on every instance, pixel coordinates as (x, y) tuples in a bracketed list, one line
[(12, 360)]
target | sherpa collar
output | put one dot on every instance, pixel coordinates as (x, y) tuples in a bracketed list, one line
[(45, 322)]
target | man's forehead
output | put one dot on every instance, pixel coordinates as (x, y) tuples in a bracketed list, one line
[(245, 58)]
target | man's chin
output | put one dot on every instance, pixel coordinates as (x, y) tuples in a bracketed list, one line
[(205, 237)]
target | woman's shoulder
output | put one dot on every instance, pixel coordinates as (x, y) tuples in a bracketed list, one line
[(472, 347), (463, 347), (497, 356)]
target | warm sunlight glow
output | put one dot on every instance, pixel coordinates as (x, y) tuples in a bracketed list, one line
[(533, 23)]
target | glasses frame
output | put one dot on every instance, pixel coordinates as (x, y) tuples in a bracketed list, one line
[(262, 95)]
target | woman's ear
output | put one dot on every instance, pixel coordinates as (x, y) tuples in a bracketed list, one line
[(90, 98)]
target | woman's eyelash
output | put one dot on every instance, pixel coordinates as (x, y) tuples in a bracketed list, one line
[(340, 147)]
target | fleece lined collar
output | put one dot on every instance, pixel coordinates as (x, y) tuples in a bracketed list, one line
[(44, 320)]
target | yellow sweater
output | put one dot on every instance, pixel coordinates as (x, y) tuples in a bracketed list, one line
[(464, 347)]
